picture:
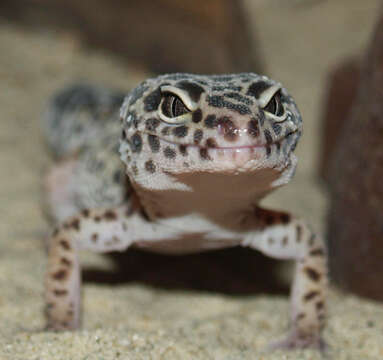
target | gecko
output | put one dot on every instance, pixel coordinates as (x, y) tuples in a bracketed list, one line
[(199, 154)]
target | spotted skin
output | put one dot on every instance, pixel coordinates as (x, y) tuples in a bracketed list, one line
[(82, 129), (200, 153)]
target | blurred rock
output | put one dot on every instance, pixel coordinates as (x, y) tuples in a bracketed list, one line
[(356, 212), (163, 35), (343, 82)]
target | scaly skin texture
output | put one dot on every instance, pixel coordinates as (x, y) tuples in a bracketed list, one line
[(200, 153), (82, 129)]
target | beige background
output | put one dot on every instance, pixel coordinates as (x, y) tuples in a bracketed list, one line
[(300, 42)]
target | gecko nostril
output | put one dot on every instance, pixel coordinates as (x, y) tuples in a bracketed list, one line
[(227, 128)]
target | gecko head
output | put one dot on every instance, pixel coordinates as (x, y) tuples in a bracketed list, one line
[(227, 124)]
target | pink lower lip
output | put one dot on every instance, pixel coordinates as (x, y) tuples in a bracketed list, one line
[(238, 147), (256, 146), (213, 147)]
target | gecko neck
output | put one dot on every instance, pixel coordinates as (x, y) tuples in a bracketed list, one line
[(220, 198)]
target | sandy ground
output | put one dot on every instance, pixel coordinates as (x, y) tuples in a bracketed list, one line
[(299, 40)]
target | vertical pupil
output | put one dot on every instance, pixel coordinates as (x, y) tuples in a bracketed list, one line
[(172, 106), (178, 107)]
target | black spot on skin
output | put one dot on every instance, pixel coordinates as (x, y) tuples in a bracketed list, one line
[(219, 102), (301, 316), (154, 143), (152, 101), (180, 131), (317, 252), (75, 224), (227, 128), (169, 153), (198, 135), (203, 152), (166, 130), (110, 215), (123, 135), (268, 137), (278, 145), (257, 88), (211, 121), (135, 120), (252, 128), (216, 101), (197, 116), (239, 98), (65, 244), (136, 143), (211, 143), (150, 167), (60, 275), (310, 295), (319, 305), (276, 128), (312, 274), (284, 218), (183, 150), (65, 262), (59, 292), (85, 213), (152, 124), (269, 219), (193, 89)]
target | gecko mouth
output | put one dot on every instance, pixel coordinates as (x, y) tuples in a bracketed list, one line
[(211, 146), (232, 157)]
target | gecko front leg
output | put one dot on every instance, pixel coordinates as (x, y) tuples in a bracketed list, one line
[(100, 230), (97, 230), (284, 237)]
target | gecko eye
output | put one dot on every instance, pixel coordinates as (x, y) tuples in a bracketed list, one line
[(274, 106), (172, 108)]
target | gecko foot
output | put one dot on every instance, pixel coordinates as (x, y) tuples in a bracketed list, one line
[(295, 341)]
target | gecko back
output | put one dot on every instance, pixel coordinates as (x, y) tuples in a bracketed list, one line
[(82, 129)]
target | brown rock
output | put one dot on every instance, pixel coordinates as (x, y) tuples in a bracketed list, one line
[(356, 181), (163, 36), (340, 95)]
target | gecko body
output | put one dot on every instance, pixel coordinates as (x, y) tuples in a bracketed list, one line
[(200, 152)]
